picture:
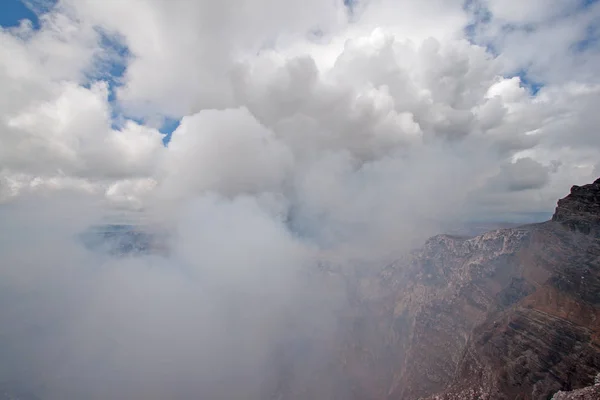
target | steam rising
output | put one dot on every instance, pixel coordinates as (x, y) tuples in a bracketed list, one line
[(311, 143)]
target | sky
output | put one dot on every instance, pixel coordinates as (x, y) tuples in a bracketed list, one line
[(262, 136), (14, 11), (96, 93)]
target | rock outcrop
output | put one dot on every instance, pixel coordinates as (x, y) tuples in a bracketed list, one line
[(588, 393), (510, 314), (580, 211)]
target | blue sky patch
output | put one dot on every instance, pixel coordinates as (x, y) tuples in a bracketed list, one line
[(527, 82), (480, 16), (112, 64), (169, 126), (13, 11), (111, 68)]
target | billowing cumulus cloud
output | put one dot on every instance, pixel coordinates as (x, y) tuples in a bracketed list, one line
[(313, 136), (200, 155)]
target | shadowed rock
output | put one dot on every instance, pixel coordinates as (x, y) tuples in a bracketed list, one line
[(510, 314)]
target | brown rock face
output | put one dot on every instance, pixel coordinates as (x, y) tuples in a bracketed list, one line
[(581, 209), (588, 393), (511, 314)]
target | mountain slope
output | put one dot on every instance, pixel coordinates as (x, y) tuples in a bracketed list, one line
[(510, 314), (587, 393)]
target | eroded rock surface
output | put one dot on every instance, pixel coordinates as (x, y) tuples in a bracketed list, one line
[(510, 314), (588, 393)]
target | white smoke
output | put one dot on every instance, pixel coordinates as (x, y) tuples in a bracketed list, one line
[(311, 134)]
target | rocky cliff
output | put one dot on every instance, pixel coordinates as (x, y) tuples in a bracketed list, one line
[(510, 314), (587, 393)]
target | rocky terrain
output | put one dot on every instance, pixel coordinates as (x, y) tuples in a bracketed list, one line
[(510, 314), (587, 393)]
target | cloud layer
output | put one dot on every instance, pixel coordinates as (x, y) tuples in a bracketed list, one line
[(282, 94), (310, 132)]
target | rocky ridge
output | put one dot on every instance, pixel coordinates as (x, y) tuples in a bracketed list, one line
[(588, 393), (510, 314)]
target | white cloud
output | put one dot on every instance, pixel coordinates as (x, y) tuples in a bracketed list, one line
[(305, 135), (55, 125), (222, 304), (183, 51), (553, 40), (71, 137), (390, 89), (227, 152)]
